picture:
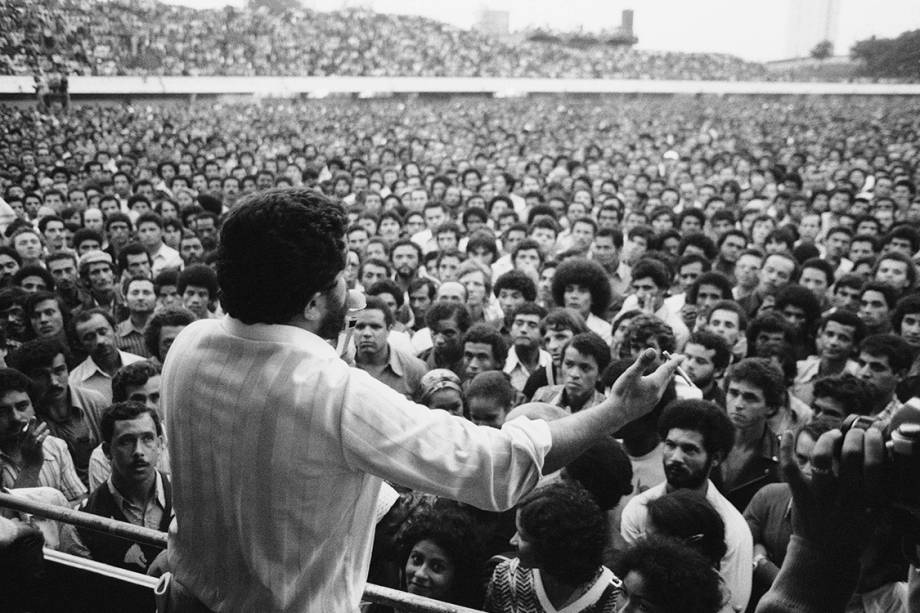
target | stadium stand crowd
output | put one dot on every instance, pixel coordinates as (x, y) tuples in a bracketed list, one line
[(86, 37), (510, 251)]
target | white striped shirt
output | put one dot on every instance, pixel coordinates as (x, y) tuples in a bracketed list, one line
[(277, 450)]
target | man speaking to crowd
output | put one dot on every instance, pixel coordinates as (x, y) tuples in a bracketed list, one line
[(279, 448)]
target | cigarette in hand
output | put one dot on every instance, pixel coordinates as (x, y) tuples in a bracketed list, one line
[(680, 371)]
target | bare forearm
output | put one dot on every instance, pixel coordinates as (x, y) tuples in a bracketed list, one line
[(574, 434)]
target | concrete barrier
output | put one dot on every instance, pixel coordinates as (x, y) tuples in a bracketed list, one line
[(381, 86)]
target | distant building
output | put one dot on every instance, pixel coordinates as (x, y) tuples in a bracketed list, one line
[(626, 24), (624, 34), (811, 22)]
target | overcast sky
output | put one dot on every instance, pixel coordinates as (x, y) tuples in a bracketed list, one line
[(752, 30)]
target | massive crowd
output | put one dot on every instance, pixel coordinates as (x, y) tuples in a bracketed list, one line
[(509, 251), (119, 37)]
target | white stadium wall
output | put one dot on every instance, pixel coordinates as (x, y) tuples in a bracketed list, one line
[(373, 86)]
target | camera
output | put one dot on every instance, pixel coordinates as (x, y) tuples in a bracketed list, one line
[(902, 471)]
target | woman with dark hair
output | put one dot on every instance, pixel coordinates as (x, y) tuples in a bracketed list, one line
[(582, 285), (666, 576), (442, 557), (561, 533)]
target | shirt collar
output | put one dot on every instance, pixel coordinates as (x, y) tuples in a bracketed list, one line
[(393, 361), (276, 333), (89, 369), (159, 492), (512, 361), (126, 328)]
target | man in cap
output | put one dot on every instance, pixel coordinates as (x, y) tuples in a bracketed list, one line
[(97, 272)]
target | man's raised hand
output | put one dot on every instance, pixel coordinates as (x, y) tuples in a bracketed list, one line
[(634, 393)]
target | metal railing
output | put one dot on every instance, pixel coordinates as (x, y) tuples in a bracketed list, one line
[(406, 603)]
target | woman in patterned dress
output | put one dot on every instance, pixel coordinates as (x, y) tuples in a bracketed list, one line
[(561, 533)]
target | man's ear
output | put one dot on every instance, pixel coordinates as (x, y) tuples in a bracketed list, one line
[(717, 459), (313, 311)]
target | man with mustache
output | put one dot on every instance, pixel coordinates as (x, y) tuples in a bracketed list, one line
[(697, 436), (29, 455), (95, 331), (318, 436), (136, 492), (71, 413)]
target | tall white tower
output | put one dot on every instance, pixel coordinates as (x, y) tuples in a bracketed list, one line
[(810, 22)]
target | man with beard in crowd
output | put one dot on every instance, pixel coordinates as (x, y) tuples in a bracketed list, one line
[(406, 257), (13, 315), (342, 430), (448, 322), (697, 437), (10, 263), (191, 249)]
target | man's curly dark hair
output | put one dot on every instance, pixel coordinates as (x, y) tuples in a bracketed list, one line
[(34, 354), (277, 249), (566, 529), (172, 316), (645, 327), (853, 393), (516, 280), (679, 579), (132, 375), (588, 273), (707, 418)]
